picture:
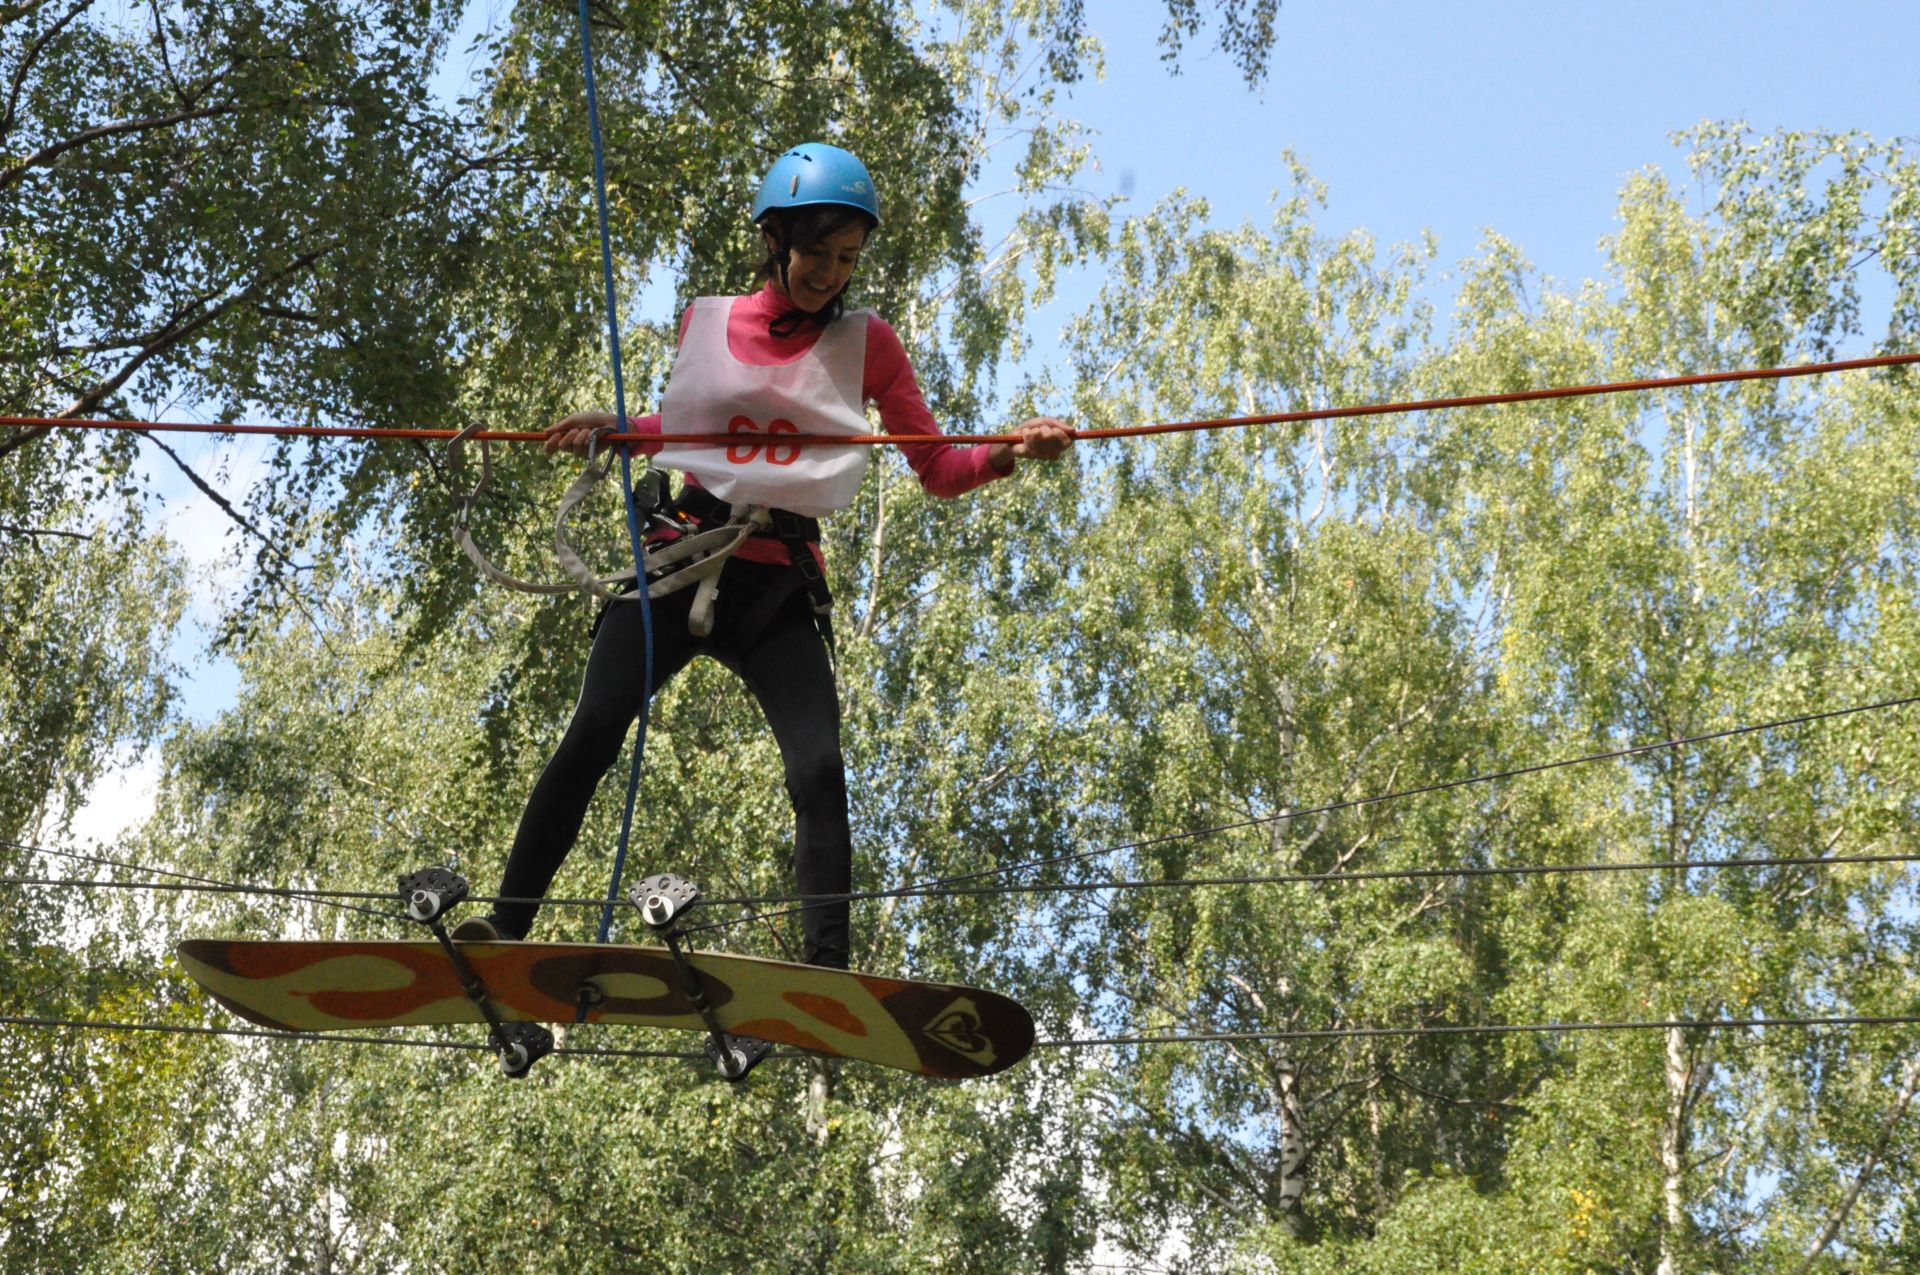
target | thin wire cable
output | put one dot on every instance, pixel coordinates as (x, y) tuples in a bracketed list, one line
[(1071, 1042), (1083, 887), (946, 886), (634, 538), (1488, 1029), (1124, 431), (187, 881), (938, 886), (252, 1033), (1427, 874)]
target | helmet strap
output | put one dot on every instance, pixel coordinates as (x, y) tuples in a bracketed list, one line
[(782, 252), (785, 324)]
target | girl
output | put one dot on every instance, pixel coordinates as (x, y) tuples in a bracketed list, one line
[(789, 358)]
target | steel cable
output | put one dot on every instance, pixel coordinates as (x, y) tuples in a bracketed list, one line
[(261, 1033), (960, 884), (942, 886), (1070, 1042)]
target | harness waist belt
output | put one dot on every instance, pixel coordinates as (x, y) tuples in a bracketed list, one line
[(704, 507)]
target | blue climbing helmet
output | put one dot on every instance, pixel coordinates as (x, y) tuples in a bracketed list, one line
[(816, 173)]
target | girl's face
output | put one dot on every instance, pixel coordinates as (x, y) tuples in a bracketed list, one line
[(818, 272)]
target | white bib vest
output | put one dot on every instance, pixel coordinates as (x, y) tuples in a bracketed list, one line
[(712, 392)]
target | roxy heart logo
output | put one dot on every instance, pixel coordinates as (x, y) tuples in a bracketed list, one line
[(958, 1028)]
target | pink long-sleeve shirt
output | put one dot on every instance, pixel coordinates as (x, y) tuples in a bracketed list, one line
[(944, 470)]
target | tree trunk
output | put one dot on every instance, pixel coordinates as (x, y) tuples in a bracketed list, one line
[(1293, 1151), (1673, 1152), (323, 1233), (1376, 1136), (819, 1097)]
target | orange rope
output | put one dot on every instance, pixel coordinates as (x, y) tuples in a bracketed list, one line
[(1512, 396), (909, 440)]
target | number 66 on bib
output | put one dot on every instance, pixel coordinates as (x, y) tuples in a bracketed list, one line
[(747, 453), (712, 392)]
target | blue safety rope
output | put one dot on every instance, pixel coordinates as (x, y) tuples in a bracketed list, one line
[(626, 481)]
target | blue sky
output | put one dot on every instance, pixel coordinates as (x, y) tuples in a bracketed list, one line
[(1521, 116)]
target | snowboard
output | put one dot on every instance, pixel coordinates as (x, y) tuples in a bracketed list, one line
[(935, 1029)]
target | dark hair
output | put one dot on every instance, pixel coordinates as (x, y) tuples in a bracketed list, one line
[(801, 228)]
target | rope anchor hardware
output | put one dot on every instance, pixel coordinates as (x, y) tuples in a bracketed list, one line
[(428, 894), (663, 899)]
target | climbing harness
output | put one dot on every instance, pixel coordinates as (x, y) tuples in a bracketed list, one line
[(698, 508), (569, 558), (701, 534), (697, 559)]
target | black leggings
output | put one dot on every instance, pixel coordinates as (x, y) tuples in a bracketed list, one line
[(786, 666)]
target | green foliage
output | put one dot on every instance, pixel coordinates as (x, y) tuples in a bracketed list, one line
[(263, 208), (1330, 612), (90, 601)]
